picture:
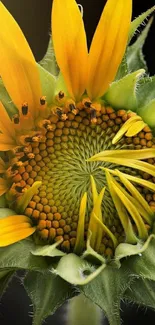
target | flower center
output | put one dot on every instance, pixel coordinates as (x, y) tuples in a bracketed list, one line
[(57, 157)]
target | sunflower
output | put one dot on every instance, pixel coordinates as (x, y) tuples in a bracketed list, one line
[(77, 166)]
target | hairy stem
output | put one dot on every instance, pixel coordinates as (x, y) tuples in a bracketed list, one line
[(82, 311)]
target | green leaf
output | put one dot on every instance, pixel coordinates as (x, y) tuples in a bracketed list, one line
[(18, 256), (135, 58), (143, 265), (4, 213), (145, 91), (48, 84), (138, 21), (106, 291), (49, 61), (122, 93), (6, 100), (142, 292), (5, 277), (47, 292), (75, 270)]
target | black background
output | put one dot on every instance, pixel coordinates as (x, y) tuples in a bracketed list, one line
[(34, 18)]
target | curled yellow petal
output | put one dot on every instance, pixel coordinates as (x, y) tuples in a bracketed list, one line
[(79, 245), (14, 229), (70, 45), (108, 46), (17, 64)]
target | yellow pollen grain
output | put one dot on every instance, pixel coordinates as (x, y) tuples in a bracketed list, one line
[(50, 216), (57, 216), (32, 204), (48, 224), (21, 170), (46, 208), (67, 229), (30, 181), (44, 233), (17, 178), (28, 212), (66, 245), (55, 224), (59, 231), (62, 223), (52, 233), (35, 214), (41, 225), (42, 216)]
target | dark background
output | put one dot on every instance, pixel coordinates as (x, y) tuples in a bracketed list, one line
[(34, 18)]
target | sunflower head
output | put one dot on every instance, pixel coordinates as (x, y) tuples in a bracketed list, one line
[(77, 147)]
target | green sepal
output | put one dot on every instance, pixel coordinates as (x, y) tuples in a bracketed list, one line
[(141, 292), (147, 113), (3, 202), (106, 291), (135, 58), (6, 100), (60, 85), (122, 93), (48, 83), (47, 250), (49, 61), (143, 264), (18, 256), (5, 277), (90, 253), (123, 69), (75, 270), (138, 21), (125, 250), (146, 91), (4, 213), (47, 292)]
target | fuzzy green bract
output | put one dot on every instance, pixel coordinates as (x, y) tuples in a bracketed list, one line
[(52, 277)]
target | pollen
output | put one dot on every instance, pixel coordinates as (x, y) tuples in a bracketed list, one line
[(57, 154)]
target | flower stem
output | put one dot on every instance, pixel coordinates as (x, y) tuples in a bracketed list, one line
[(82, 311)]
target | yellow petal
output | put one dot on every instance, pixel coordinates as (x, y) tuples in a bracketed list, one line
[(14, 229), (70, 45), (6, 125), (79, 245), (2, 166), (108, 46), (3, 186), (17, 64), (6, 143), (13, 220)]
